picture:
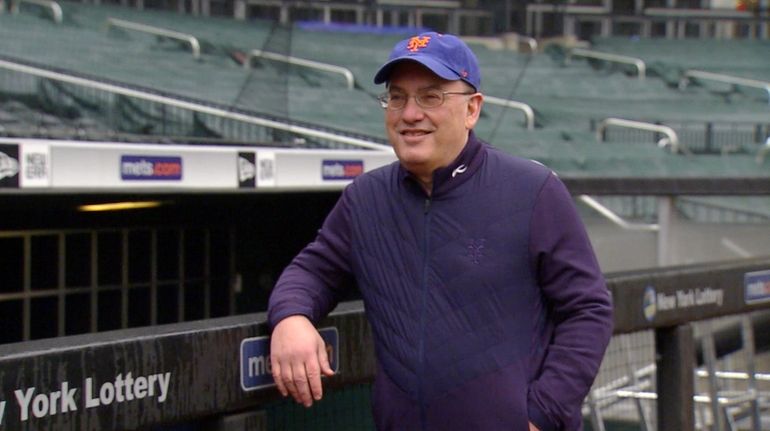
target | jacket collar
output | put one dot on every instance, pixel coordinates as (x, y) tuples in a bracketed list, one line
[(456, 173)]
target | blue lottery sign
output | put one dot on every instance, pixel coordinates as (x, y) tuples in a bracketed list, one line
[(256, 372)]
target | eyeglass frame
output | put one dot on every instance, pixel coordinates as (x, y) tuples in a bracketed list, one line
[(385, 104)]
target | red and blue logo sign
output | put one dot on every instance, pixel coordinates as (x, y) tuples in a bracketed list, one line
[(151, 168), (341, 169), (756, 287)]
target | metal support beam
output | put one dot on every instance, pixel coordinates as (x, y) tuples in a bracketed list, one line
[(665, 224), (709, 356), (747, 332), (675, 361)]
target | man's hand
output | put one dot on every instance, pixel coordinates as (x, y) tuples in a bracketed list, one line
[(298, 357), (532, 427)]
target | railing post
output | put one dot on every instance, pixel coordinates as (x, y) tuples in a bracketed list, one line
[(665, 222), (675, 362), (710, 359), (709, 137), (747, 333)]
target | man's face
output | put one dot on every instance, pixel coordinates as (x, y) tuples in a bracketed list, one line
[(427, 139)]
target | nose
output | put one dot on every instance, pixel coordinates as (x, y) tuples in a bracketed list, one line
[(412, 111)]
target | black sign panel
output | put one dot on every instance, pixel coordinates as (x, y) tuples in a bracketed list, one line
[(135, 378), (675, 295), (247, 170), (9, 166)]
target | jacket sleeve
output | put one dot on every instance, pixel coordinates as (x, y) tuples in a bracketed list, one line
[(315, 280), (579, 306)]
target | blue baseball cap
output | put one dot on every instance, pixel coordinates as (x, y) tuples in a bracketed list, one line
[(445, 55)]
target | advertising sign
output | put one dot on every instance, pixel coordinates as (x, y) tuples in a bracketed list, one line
[(341, 169), (266, 169), (35, 165), (247, 170), (657, 301), (256, 372), (9, 166), (756, 287), (135, 167)]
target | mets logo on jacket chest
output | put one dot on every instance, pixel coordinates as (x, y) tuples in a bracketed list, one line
[(475, 250)]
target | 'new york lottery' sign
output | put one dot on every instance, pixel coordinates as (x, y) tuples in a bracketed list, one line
[(29, 403), (256, 372)]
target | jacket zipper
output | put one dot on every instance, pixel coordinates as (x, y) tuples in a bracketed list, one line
[(423, 310)]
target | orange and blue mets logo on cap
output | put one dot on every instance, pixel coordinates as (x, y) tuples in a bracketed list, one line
[(415, 43), (444, 54)]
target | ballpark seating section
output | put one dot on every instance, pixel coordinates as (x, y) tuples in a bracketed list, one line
[(723, 126), (723, 129), (569, 96)]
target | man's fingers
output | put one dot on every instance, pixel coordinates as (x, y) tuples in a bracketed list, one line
[(278, 378), (299, 359), (299, 381), (323, 359), (314, 378), (287, 378)]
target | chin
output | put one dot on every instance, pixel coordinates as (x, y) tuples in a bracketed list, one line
[(411, 158), (416, 167)]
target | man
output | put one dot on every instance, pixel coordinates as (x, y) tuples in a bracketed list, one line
[(487, 306)]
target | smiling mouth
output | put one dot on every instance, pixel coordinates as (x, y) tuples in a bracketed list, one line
[(413, 133)]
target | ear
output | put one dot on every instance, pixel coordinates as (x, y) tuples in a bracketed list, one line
[(474, 110)]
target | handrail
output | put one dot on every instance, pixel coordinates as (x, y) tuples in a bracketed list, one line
[(696, 13), (529, 113), (616, 219), (730, 79), (301, 62), (641, 68), (453, 4), (568, 9), (129, 25), (763, 152), (58, 15), (671, 137), (531, 41), (734, 375), (197, 107)]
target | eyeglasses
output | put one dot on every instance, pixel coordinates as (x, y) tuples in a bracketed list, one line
[(425, 99)]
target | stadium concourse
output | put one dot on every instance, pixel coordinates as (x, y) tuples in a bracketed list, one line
[(664, 142)]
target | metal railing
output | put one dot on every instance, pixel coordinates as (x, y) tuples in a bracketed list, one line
[(723, 405), (641, 68), (712, 136), (143, 28), (763, 152), (208, 372), (535, 13), (616, 219), (671, 138), (676, 21), (529, 113), (56, 11), (301, 62), (451, 4), (531, 41), (728, 79), (691, 13), (193, 106)]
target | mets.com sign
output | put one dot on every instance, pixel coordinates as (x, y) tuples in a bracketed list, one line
[(256, 372), (150, 167), (756, 287)]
